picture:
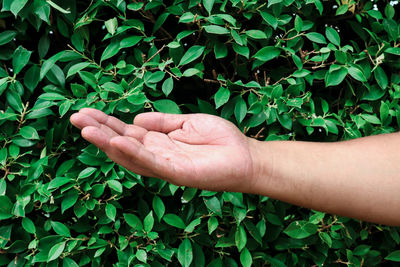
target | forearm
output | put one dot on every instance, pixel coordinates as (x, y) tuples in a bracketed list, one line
[(358, 178)]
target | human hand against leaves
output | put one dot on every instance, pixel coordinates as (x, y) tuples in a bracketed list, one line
[(195, 150)]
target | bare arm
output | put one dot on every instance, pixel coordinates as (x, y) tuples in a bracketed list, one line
[(358, 178)]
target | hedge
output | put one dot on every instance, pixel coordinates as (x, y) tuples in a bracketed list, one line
[(279, 69)]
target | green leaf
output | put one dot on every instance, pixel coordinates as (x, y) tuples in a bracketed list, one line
[(212, 224), (326, 238), (56, 251), (371, 118), (342, 10), (332, 36), (393, 256), (214, 205), (167, 86), (256, 34), (133, 221), (28, 225), (21, 57), (68, 201), (335, 77), (60, 229), (381, 78), (221, 97), (270, 19), (191, 54), (185, 253), (17, 6), (167, 106), (220, 50), (208, 5), (174, 220), (111, 50), (7, 36), (357, 74), (267, 53), (76, 68), (148, 222), (245, 258), (298, 23), (240, 110), (115, 185), (301, 229), (316, 37), (57, 7), (141, 255), (111, 211), (86, 172), (68, 262), (29, 132), (130, 41), (240, 237), (158, 207), (215, 29), (111, 25)]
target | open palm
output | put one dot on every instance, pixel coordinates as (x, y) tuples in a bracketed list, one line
[(195, 150)]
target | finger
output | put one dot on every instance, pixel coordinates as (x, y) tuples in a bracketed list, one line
[(115, 124), (160, 122), (160, 166), (102, 140), (80, 120)]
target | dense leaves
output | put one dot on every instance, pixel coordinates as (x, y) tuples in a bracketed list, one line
[(279, 69)]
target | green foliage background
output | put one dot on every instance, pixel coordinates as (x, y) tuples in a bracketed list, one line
[(279, 69)]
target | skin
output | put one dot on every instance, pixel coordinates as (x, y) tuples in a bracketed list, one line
[(358, 178)]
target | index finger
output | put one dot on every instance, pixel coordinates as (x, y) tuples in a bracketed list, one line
[(160, 122)]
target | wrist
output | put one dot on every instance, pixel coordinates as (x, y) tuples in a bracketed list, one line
[(262, 156)]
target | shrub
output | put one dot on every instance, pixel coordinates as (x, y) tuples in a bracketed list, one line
[(279, 69)]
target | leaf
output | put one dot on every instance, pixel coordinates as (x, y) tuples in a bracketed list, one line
[(29, 132), (167, 106), (214, 205), (316, 37), (130, 41), (17, 6), (60, 229), (28, 225), (133, 221), (148, 222), (158, 207), (56, 251), (174, 220), (245, 258), (256, 34), (111, 50), (300, 229), (111, 25), (21, 57), (86, 172), (221, 97), (191, 54), (57, 7), (240, 237), (167, 86), (212, 224), (332, 36), (111, 211), (357, 74), (371, 118), (240, 110), (298, 24), (185, 253), (69, 201), (115, 185), (381, 77), (393, 256), (7, 36), (77, 67), (270, 19), (335, 77), (208, 5), (267, 53), (342, 10), (215, 29)]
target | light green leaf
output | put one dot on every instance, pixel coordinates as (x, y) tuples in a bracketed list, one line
[(28, 225), (267, 53), (316, 37), (208, 5), (192, 54), (77, 67), (60, 229), (56, 251), (245, 258), (185, 253), (221, 97), (167, 106), (133, 221), (270, 19), (111, 211), (17, 6), (357, 74), (29, 132), (332, 36), (174, 220), (240, 110), (21, 57), (111, 25), (215, 29), (381, 77)]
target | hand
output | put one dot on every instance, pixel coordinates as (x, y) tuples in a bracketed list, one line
[(195, 150)]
